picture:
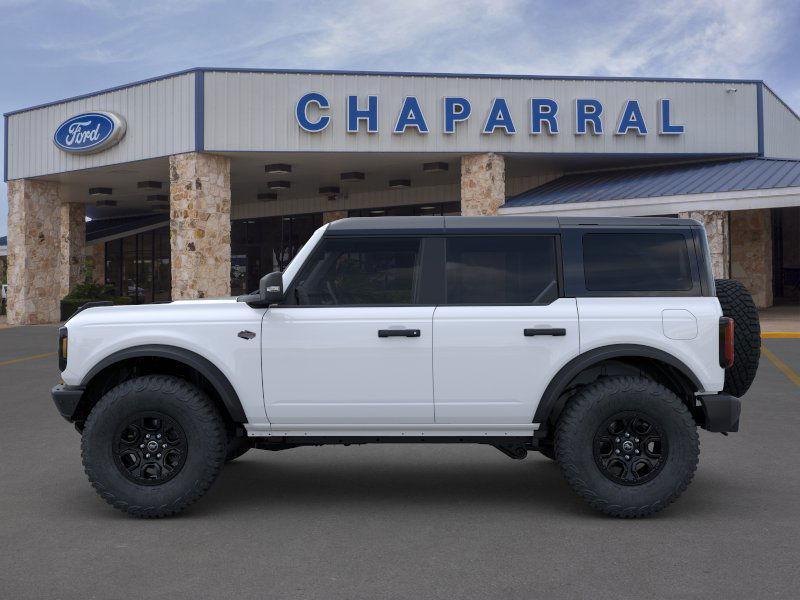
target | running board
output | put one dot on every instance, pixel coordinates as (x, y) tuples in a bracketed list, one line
[(393, 432)]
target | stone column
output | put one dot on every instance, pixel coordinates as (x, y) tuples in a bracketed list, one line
[(751, 253), (200, 225), (483, 184), (333, 215), (34, 284), (72, 238), (96, 257), (716, 226)]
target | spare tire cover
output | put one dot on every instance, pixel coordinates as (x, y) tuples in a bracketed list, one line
[(737, 303)]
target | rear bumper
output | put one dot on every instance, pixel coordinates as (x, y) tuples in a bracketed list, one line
[(66, 398), (720, 412)]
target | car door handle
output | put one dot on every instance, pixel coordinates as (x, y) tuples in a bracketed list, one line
[(399, 333), (556, 331)]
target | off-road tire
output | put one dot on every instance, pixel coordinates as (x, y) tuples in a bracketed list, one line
[(585, 414), (237, 446), (548, 451), (185, 404), (737, 303)]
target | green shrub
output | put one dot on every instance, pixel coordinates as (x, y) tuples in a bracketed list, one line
[(88, 291)]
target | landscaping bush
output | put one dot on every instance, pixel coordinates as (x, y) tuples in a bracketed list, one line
[(88, 292)]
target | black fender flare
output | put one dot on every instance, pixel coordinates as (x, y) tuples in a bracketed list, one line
[(191, 359), (592, 357)]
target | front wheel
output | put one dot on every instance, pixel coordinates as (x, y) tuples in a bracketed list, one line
[(153, 445), (627, 445)]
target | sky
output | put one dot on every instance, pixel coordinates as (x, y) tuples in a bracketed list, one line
[(56, 49)]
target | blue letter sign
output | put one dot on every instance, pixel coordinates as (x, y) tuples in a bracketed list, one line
[(410, 116), (301, 112), (455, 110), (631, 118), (543, 110), (665, 127), (499, 117), (588, 111), (354, 114), (90, 132)]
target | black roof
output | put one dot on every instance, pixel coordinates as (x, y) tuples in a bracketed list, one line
[(494, 224)]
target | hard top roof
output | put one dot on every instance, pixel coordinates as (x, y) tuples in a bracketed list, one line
[(430, 225)]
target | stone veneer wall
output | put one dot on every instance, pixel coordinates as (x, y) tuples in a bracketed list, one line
[(333, 215), (33, 252), (200, 225), (716, 226), (751, 253), (96, 260), (72, 242), (483, 184)]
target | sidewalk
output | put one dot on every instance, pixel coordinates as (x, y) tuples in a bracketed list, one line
[(780, 319)]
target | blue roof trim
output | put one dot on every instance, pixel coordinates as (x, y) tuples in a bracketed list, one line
[(666, 180), (760, 117), (199, 110), (5, 147), (379, 73)]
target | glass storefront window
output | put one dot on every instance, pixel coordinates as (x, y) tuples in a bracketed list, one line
[(138, 266)]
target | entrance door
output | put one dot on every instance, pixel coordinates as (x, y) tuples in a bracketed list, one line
[(352, 345), (503, 331)]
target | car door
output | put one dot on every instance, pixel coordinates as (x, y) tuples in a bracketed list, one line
[(352, 344), (503, 331)]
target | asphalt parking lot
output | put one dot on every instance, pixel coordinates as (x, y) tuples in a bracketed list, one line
[(396, 521)]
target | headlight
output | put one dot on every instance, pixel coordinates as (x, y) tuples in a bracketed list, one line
[(62, 348)]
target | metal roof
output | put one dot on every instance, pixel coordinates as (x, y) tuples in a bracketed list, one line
[(671, 180), (105, 229)]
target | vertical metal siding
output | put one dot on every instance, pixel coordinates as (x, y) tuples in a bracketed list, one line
[(159, 116), (255, 111), (781, 128)]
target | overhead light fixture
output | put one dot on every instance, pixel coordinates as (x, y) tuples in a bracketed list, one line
[(279, 185), (377, 212), (267, 196), (399, 183), (149, 185), (435, 167), (158, 198), (352, 176), (100, 191), (106, 203), (278, 168), (329, 189), (427, 208)]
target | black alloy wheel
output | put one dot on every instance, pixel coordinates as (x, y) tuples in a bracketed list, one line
[(150, 448), (630, 448)]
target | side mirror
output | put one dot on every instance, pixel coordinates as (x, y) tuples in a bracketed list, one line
[(270, 291)]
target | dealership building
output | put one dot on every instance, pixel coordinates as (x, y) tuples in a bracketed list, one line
[(196, 184)]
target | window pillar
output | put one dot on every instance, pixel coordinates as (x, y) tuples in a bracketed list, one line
[(200, 225), (483, 184)]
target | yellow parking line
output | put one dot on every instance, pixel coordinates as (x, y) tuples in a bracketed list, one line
[(23, 358), (782, 366), (780, 335)]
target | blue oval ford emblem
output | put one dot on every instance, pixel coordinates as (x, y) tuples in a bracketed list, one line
[(90, 132)]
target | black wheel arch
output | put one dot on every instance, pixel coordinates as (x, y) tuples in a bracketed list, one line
[(191, 361), (645, 358)]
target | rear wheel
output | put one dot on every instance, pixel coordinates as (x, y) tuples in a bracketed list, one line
[(627, 445), (737, 303), (153, 445)]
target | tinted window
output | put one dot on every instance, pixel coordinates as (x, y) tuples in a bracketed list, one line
[(360, 271), (641, 262), (501, 270)]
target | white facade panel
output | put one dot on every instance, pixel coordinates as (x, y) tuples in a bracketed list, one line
[(781, 128), (251, 111), (160, 121)]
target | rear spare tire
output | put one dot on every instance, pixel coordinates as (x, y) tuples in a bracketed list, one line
[(737, 303)]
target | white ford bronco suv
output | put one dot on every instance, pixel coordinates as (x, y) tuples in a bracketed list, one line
[(601, 343)]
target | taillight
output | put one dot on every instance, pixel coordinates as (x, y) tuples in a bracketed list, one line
[(726, 325), (62, 348)]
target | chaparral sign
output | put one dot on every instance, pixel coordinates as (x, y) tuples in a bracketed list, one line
[(588, 116), (90, 132)]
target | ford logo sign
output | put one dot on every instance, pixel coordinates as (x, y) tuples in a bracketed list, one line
[(90, 132)]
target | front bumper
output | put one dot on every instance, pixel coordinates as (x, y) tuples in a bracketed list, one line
[(67, 398), (720, 412)]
